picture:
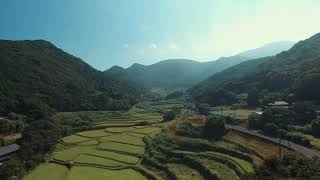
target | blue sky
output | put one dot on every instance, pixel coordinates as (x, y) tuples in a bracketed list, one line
[(122, 32)]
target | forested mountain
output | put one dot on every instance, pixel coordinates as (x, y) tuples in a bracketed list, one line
[(36, 75), (184, 73), (295, 72)]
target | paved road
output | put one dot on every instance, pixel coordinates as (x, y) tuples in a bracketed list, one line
[(309, 153)]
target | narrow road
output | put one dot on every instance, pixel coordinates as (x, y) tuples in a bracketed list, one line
[(309, 153)]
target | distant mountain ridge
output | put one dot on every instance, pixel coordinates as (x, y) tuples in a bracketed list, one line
[(295, 72), (269, 49), (184, 73)]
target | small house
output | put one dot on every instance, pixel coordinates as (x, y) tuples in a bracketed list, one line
[(7, 151)]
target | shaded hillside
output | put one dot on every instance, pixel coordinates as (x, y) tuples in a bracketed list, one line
[(38, 75), (295, 72)]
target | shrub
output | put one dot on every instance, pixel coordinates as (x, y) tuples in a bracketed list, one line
[(214, 127)]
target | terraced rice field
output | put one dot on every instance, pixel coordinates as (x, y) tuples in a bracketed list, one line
[(114, 150), (110, 153)]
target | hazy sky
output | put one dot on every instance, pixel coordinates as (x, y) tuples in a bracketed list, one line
[(121, 32)]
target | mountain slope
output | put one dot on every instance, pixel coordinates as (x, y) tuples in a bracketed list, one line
[(36, 73), (296, 71)]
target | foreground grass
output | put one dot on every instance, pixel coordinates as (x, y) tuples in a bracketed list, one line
[(91, 173), (48, 171)]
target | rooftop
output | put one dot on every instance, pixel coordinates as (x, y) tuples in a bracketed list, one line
[(9, 149), (279, 103)]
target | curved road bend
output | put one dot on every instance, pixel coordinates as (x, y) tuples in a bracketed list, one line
[(309, 153)]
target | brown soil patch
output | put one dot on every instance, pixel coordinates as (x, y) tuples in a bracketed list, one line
[(13, 137)]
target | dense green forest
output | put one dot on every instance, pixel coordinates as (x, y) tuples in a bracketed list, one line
[(37, 76), (290, 75)]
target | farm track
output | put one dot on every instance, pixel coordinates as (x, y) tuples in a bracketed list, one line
[(307, 152)]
